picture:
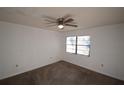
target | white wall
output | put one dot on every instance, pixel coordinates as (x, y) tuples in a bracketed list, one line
[(31, 48), (107, 43), (27, 47)]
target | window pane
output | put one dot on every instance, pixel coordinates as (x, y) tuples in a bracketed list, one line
[(83, 37), (71, 40), (70, 48), (83, 40), (86, 48), (83, 50)]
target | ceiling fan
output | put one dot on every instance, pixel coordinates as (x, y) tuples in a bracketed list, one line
[(61, 22)]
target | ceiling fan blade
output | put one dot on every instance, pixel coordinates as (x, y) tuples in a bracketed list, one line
[(50, 21), (68, 20), (71, 25), (50, 25), (66, 16), (49, 17)]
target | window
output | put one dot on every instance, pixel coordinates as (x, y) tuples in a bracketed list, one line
[(71, 44), (78, 45), (83, 45)]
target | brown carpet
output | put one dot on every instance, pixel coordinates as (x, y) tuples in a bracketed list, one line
[(61, 73)]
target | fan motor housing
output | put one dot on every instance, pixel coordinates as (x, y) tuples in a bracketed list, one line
[(60, 21)]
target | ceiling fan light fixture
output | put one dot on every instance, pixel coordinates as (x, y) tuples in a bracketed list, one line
[(60, 26)]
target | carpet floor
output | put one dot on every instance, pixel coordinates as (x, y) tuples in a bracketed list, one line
[(61, 73)]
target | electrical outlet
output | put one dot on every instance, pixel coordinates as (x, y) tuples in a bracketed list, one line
[(17, 65), (102, 65)]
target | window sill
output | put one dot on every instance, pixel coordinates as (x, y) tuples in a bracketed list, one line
[(78, 54)]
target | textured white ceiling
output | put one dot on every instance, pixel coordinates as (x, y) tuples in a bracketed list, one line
[(84, 17)]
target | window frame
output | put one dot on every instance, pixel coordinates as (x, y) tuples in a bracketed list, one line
[(68, 44), (76, 45), (83, 45)]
